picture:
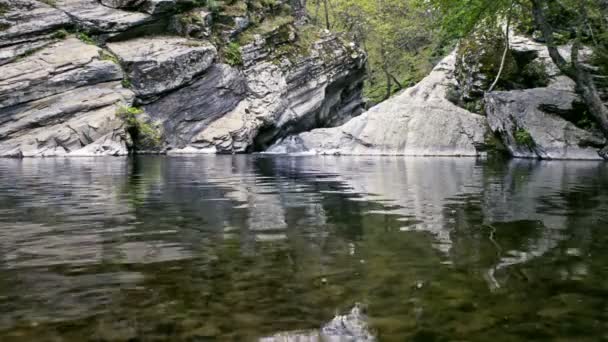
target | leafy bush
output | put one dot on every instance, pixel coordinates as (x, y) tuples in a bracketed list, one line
[(60, 34), (143, 133), (232, 54)]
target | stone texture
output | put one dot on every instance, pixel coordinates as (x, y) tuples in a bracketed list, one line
[(155, 65), (61, 67), (553, 137), (147, 6), (102, 21), (418, 121), (29, 26), (323, 89), (183, 113), (62, 101), (195, 23)]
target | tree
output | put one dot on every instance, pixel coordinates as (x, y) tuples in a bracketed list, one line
[(579, 21)]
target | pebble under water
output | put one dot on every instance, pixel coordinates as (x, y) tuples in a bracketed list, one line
[(248, 248)]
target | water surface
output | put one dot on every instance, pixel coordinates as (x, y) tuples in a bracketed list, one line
[(245, 247)]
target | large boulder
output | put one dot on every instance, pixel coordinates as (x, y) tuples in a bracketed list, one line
[(27, 25), (530, 127), (418, 121), (156, 65), (183, 113), (62, 101)]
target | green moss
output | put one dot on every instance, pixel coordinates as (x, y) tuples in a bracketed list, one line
[(523, 138), (126, 83), (143, 133), (86, 38), (4, 26), (60, 34), (232, 54), (107, 56)]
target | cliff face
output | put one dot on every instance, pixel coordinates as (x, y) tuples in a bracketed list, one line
[(103, 77)]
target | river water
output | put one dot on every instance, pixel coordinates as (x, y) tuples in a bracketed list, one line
[(245, 247)]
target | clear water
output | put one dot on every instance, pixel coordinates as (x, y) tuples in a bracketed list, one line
[(241, 247)]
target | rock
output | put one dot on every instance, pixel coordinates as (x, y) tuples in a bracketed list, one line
[(147, 6), (160, 64), (529, 132), (195, 23), (78, 122), (323, 89), (418, 121), (65, 65), (29, 25), (62, 101), (352, 327), (105, 22), (183, 113)]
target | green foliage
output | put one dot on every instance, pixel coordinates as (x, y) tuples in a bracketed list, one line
[(523, 138), (232, 54), (398, 35), (86, 38), (107, 56), (49, 2), (143, 133), (126, 83), (60, 34)]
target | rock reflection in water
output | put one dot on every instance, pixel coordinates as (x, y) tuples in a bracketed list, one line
[(242, 247)]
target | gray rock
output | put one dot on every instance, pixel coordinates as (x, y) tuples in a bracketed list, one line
[(418, 121), (147, 6), (65, 65), (78, 122), (519, 113), (62, 101), (184, 112), (160, 64), (29, 26), (320, 90), (91, 16)]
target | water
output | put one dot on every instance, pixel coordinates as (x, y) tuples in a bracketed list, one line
[(245, 247)]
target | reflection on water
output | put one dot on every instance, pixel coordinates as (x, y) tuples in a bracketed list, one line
[(249, 247)]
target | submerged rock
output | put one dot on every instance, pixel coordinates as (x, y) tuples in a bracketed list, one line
[(352, 327), (418, 121)]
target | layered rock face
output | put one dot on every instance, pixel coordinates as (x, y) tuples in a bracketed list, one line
[(419, 121), (544, 122), (228, 79)]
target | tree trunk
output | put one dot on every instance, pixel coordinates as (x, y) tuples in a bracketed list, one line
[(575, 69), (327, 26), (506, 51)]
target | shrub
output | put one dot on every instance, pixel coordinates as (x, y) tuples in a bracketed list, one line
[(232, 54), (144, 134), (86, 38), (523, 138), (60, 34)]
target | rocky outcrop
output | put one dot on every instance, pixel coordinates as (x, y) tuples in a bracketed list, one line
[(62, 101), (27, 25), (418, 121), (523, 121), (160, 64), (547, 122), (147, 6)]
